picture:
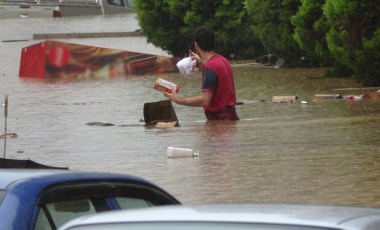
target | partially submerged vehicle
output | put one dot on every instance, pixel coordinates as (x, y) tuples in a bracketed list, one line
[(56, 60)]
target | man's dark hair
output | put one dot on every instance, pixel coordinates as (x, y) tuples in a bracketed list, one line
[(205, 38)]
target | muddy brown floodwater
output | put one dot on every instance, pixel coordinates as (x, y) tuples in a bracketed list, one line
[(325, 152)]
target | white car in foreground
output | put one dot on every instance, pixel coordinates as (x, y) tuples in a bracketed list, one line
[(234, 217)]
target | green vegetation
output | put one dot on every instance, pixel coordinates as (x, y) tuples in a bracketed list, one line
[(271, 23), (354, 36), (342, 34), (169, 24), (310, 29)]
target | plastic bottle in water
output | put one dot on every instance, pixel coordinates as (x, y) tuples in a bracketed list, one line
[(173, 152)]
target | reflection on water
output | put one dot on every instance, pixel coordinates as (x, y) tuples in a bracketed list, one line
[(325, 151)]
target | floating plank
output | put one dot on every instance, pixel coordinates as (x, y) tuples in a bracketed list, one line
[(359, 88), (169, 124), (8, 135), (372, 95), (284, 99)]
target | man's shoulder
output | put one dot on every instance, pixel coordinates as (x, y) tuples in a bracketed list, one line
[(218, 59)]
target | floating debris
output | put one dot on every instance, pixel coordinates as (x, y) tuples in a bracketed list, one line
[(169, 124), (328, 96), (372, 95), (284, 99), (9, 135), (96, 123), (174, 152), (353, 97), (16, 40)]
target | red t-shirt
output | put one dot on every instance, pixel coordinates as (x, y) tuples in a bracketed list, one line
[(217, 77)]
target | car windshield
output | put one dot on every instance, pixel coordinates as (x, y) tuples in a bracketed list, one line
[(195, 225)]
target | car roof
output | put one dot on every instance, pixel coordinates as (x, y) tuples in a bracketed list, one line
[(10, 177), (339, 217)]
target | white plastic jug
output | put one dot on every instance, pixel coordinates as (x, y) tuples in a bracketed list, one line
[(187, 67), (173, 152)]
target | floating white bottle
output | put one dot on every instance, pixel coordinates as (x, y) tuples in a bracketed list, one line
[(174, 152)]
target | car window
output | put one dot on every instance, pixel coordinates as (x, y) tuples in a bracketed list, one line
[(2, 194), (42, 222), (61, 212), (61, 203), (103, 190), (129, 203)]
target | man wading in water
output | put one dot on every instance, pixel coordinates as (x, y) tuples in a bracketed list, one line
[(218, 97)]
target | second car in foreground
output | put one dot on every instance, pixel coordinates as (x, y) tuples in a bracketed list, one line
[(46, 199), (234, 217)]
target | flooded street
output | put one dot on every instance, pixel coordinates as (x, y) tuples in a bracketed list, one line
[(325, 152)]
